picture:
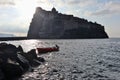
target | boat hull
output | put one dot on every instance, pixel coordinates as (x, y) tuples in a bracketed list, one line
[(46, 50)]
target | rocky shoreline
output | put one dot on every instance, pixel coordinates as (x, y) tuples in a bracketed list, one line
[(14, 62)]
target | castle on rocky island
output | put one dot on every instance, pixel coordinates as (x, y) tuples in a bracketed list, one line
[(54, 25)]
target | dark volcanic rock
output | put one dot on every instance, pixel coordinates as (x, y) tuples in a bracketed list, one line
[(14, 61), (31, 56), (11, 71), (52, 25)]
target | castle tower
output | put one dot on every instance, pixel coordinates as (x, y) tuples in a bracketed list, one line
[(54, 10)]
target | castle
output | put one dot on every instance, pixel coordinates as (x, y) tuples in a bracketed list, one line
[(54, 25)]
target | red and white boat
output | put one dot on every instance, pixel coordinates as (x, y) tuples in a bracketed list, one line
[(48, 49)]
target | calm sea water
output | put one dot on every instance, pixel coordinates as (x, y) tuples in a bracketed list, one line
[(79, 59)]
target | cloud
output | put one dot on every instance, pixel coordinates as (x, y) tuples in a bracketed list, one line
[(68, 4), (109, 8), (103, 12), (12, 23), (7, 2), (11, 28), (74, 7), (81, 3), (14, 29)]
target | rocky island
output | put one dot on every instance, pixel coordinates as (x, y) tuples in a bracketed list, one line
[(54, 25)]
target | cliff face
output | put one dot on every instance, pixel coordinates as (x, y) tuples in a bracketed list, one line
[(54, 25)]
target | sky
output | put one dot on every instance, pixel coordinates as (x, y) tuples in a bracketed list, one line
[(16, 15)]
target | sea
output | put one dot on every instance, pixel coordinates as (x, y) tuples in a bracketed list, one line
[(77, 59)]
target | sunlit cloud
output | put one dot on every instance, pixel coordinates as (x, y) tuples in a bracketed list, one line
[(7, 2), (109, 8), (81, 3)]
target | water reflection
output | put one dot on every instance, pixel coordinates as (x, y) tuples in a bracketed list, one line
[(30, 44)]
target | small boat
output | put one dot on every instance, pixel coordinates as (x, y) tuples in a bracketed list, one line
[(48, 49)]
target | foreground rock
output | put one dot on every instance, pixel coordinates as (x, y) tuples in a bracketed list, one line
[(14, 62), (52, 25), (32, 58)]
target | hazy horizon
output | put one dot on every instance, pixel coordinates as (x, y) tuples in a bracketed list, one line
[(16, 15)]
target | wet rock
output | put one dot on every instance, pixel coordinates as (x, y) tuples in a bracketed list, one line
[(41, 59), (32, 58), (1, 75), (14, 61), (8, 48), (20, 49), (23, 62), (32, 53), (11, 71), (8, 51), (29, 55), (35, 63), (3, 57)]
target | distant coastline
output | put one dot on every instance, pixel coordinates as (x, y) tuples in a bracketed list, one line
[(12, 38), (26, 38)]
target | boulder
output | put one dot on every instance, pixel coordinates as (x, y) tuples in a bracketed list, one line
[(41, 59), (20, 49), (8, 51), (31, 56), (2, 77), (14, 61), (11, 71)]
